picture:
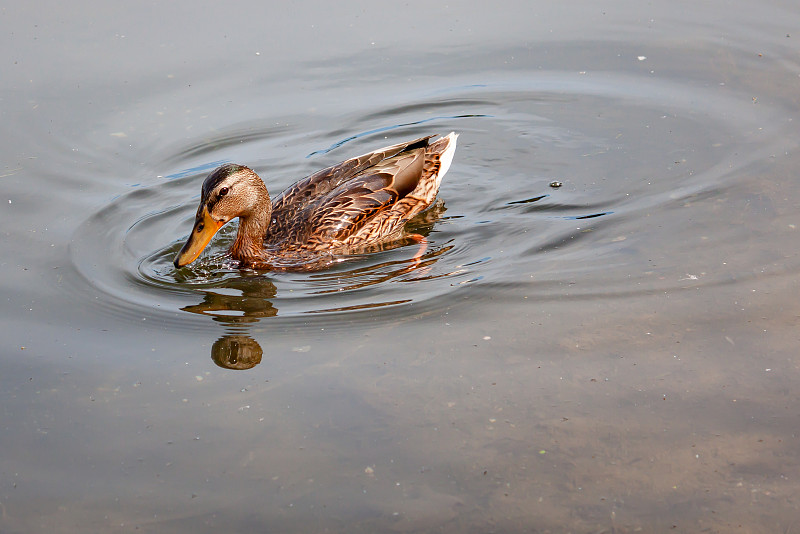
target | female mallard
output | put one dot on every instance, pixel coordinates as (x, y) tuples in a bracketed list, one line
[(350, 207)]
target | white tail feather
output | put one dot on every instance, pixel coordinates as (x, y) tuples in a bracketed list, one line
[(447, 156)]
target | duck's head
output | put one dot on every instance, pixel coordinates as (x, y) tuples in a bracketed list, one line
[(230, 191)]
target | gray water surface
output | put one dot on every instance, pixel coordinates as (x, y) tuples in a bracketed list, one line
[(617, 354)]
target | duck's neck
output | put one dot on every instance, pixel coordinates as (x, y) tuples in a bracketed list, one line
[(253, 225)]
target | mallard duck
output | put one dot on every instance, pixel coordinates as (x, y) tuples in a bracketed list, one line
[(349, 207)]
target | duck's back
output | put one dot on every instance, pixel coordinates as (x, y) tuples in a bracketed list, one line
[(363, 200)]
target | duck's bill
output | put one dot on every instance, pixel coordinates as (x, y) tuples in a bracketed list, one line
[(204, 229)]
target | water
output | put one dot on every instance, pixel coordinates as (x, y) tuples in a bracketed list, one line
[(617, 353)]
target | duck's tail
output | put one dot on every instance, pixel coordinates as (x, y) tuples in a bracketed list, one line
[(448, 150), (388, 225), (438, 157)]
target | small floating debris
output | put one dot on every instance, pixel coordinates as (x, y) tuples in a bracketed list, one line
[(555, 184)]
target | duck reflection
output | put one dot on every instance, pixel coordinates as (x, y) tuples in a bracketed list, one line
[(241, 300), (237, 352)]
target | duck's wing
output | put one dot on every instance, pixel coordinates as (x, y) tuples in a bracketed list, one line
[(287, 206), (341, 213)]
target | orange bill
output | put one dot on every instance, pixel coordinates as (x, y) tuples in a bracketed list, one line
[(204, 229)]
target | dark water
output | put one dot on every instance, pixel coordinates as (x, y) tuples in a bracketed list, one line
[(617, 354)]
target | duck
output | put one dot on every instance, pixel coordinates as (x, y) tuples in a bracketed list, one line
[(351, 207)]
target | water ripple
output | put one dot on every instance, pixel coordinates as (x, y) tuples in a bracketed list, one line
[(624, 150)]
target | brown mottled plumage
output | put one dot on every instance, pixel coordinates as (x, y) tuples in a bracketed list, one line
[(350, 207)]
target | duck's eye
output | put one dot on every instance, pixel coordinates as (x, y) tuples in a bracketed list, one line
[(223, 191)]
